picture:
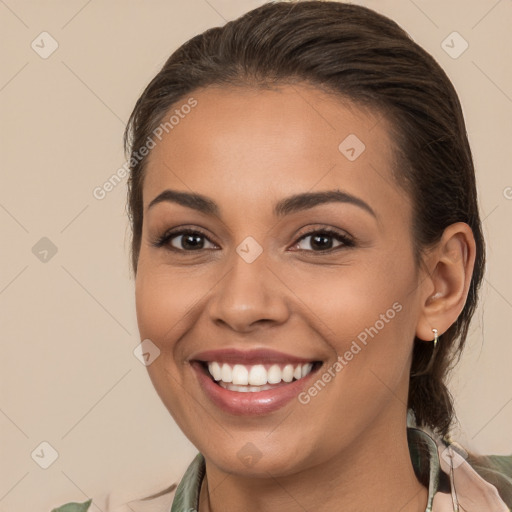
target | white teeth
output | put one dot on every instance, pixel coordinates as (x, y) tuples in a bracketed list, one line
[(274, 374), (240, 375), (256, 377), (306, 368), (226, 374), (288, 373), (244, 389), (215, 370)]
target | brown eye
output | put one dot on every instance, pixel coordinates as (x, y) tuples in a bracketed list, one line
[(185, 240), (322, 241)]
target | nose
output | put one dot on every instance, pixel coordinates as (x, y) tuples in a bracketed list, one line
[(249, 295)]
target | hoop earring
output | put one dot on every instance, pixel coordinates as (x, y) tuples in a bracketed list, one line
[(432, 357)]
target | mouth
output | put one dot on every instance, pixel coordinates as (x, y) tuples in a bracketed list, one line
[(254, 378)]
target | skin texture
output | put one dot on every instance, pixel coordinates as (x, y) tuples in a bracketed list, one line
[(246, 149)]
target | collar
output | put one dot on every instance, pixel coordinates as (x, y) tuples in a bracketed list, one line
[(422, 447)]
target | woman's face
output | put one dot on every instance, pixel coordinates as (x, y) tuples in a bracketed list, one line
[(262, 274)]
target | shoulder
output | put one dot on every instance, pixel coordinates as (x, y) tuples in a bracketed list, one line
[(476, 482), (74, 507), (158, 501), (497, 470), (484, 480)]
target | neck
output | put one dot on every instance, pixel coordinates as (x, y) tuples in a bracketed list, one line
[(373, 474)]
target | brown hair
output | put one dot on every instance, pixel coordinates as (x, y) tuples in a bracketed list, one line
[(358, 54)]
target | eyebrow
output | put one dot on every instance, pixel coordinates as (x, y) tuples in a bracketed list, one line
[(286, 206)]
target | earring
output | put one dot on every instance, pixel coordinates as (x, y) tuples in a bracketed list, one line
[(432, 357), (436, 337)]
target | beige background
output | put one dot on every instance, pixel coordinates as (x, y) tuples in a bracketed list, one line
[(68, 373)]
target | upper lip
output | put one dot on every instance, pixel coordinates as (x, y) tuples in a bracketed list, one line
[(233, 355)]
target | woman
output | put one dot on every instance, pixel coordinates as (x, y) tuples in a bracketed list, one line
[(308, 251)]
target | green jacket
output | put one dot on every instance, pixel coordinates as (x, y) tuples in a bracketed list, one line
[(484, 483)]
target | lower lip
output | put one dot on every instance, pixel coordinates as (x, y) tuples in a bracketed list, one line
[(250, 403)]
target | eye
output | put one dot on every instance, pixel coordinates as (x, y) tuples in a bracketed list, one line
[(322, 240), (189, 240), (185, 240)]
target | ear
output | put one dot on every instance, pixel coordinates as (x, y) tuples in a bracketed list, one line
[(445, 287)]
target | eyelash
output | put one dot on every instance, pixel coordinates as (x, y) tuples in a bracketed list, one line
[(346, 240)]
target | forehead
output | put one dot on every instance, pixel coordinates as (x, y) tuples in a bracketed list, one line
[(246, 146)]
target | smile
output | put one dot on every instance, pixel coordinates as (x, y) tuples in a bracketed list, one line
[(254, 389), (257, 377)]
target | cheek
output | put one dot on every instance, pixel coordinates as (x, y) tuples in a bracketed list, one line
[(353, 296), (163, 300), (366, 316)]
